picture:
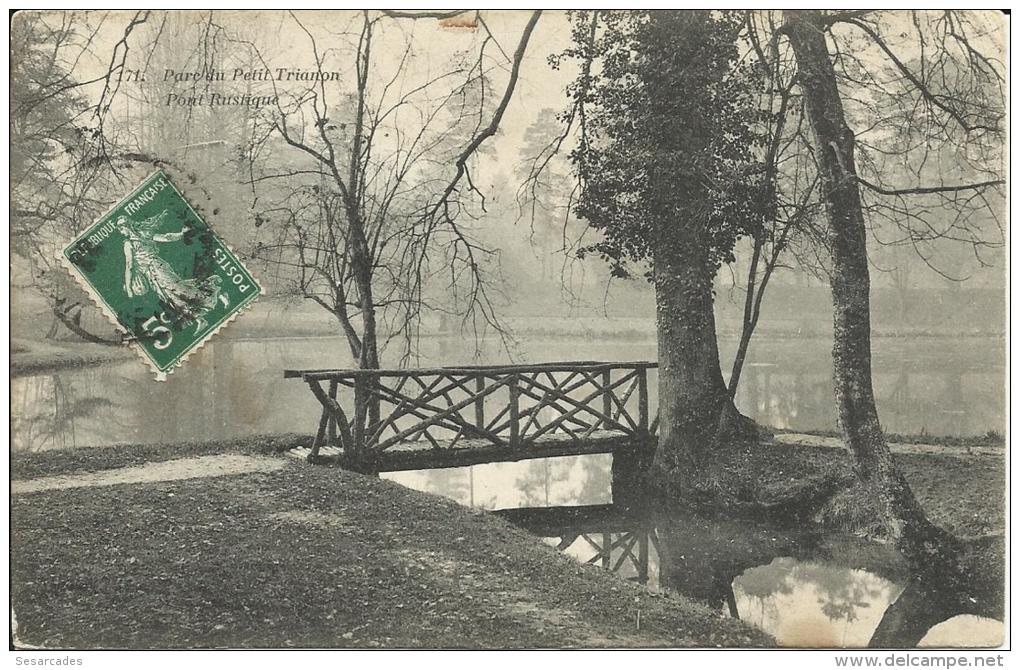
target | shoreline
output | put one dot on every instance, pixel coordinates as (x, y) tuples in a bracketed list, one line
[(29, 358), (56, 461)]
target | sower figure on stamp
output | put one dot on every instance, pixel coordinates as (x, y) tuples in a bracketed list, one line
[(145, 271)]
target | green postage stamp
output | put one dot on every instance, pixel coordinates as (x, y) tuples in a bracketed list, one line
[(160, 273)]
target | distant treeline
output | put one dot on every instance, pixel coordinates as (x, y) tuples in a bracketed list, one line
[(964, 310)]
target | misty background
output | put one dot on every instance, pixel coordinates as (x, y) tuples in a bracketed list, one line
[(938, 311)]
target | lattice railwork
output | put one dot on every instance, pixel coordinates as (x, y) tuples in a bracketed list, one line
[(365, 412)]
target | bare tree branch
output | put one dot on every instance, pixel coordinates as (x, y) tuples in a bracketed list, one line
[(931, 189)]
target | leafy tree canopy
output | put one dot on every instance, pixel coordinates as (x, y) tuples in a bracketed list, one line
[(669, 134)]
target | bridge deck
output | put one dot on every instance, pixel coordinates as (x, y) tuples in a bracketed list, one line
[(422, 455)]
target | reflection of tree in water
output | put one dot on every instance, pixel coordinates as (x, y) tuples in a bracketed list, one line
[(539, 477), (450, 482), (923, 603), (783, 400), (595, 482), (932, 400), (589, 478), (765, 575), (211, 398), (917, 394), (51, 409), (840, 592), (760, 585), (710, 559)]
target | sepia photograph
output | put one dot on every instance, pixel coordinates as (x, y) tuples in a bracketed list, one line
[(509, 329)]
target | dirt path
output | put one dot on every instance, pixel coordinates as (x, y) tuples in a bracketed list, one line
[(804, 440), (165, 471)]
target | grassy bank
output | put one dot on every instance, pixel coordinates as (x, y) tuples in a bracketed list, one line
[(964, 495), (315, 557)]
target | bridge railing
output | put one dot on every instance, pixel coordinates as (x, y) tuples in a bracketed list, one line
[(502, 406)]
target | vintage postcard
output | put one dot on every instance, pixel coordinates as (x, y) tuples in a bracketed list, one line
[(510, 329)]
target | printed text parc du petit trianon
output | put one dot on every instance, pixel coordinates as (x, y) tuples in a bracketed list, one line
[(213, 98)]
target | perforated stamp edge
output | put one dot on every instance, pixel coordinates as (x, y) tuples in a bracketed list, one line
[(110, 314)]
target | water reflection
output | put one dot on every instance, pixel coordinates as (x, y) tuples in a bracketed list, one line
[(812, 604), (978, 631), (233, 388), (567, 480), (776, 579), (46, 414), (805, 587)]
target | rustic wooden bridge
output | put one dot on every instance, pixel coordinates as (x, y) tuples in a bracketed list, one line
[(385, 420)]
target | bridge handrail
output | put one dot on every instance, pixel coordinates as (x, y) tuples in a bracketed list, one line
[(577, 399), (557, 366)]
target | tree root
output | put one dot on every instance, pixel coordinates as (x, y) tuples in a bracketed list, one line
[(972, 585), (797, 506)]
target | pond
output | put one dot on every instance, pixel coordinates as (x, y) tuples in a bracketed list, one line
[(806, 588), (232, 388)]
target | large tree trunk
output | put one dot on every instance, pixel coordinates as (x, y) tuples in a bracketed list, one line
[(696, 413), (924, 544)]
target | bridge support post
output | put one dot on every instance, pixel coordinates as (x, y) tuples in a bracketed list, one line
[(607, 400), (642, 562), (630, 465), (320, 433), (358, 429), (361, 458), (480, 402), (643, 399), (515, 413), (331, 426)]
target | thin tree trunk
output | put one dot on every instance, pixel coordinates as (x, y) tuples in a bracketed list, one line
[(752, 315), (919, 539), (752, 302), (749, 322)]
